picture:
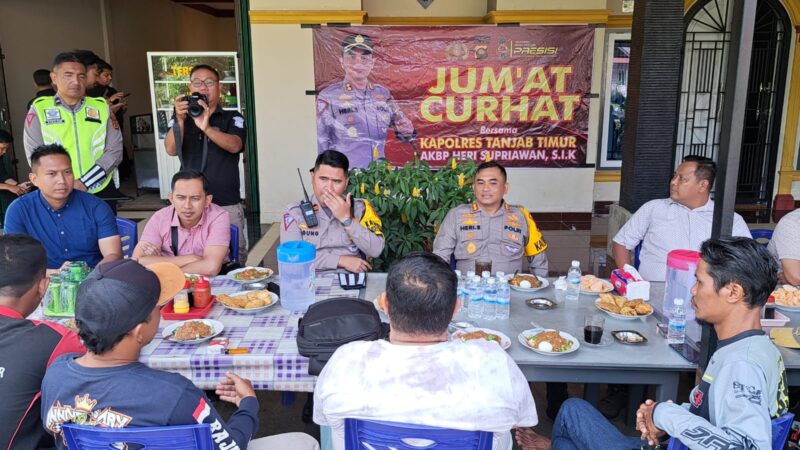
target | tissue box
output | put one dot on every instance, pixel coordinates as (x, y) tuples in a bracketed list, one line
[(626, 285)]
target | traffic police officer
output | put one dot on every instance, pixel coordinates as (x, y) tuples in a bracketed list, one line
[(492, 229), (354, 115), (84, 126), (348, 227)]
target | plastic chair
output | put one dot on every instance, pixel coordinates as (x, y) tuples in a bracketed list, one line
[(636, 252), (391, 435), (128, 235), (762, 235), (185, 437), (780, 431), (234, 250)]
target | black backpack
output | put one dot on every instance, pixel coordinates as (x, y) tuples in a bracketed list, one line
[(331, 323)]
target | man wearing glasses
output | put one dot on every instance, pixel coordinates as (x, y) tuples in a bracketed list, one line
[(211, 143)]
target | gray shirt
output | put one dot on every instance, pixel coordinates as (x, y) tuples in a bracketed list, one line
[(785, 242)]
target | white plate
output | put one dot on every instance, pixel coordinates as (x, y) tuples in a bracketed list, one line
[(274, 296), (620, 316), (611, 288), (266, 270), (523, 339), (216, 326), (544, 284), (505, 342)]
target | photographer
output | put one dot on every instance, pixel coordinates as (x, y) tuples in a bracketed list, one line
[(210, 140)]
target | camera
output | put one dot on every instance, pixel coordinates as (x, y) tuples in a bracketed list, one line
[(195, 109)]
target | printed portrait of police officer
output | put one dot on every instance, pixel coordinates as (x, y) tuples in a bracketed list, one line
[(354, 115)]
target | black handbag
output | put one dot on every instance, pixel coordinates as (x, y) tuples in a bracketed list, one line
[(331, 323)]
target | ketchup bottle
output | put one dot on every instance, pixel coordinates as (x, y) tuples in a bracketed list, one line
[(202, 293)]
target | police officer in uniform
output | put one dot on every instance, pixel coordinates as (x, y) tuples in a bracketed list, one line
[(490, 228), (348, 228), (354, 115), (84, 126)]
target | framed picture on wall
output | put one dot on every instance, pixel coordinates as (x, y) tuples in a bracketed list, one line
[(142, 123)]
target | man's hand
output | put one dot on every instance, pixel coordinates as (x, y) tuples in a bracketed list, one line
[(202, 120), (340, 207), (354, 264), (119, 104), (149, 249), (234, 388), (14, 189), (645, 424), (78, 184), (404, 125), (181, 108)]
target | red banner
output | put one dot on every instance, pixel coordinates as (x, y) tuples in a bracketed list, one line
[(518, 94)]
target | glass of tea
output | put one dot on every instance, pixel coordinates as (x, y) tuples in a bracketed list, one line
[(593, 328), (483, 265)]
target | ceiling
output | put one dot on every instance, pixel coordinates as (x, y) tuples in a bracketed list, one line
[(216, 8)]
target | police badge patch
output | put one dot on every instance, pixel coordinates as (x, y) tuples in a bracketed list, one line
[(238, 121), (52, 116), (92, 114)]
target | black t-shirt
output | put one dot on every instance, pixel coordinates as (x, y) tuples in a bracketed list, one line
[(222, 167), (49, 92)]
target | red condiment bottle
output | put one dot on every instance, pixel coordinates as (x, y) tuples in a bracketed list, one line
[(202, 293)]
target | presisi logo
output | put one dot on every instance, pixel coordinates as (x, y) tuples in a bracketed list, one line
[(527, 48)]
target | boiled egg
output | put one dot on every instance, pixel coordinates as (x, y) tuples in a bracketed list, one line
[(525, 284), (545, 346)]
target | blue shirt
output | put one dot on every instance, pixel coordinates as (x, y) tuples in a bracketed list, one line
[(134, 395), (68, 234)]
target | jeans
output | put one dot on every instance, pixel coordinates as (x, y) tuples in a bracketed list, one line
[(580, 426)]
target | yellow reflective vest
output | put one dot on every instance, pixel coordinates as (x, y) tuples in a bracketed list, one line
[(82, 133)]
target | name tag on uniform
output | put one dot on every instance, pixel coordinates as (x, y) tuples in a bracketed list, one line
[(92, 115), (52, 116)]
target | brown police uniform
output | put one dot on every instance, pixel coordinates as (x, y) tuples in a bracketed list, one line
[(505, 237), (330, 237)]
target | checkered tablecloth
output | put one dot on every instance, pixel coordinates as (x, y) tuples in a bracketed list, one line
[(273, 362)]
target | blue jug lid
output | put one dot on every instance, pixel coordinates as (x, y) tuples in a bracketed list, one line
[(296, 252)]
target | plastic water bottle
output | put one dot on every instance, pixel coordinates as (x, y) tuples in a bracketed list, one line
[(470, 274), (676, 333), (490, 299), (574, 281), (503, 299), (475, 293), (461, 291)]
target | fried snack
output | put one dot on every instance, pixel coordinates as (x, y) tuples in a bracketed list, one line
[(479, 334), (550, 341), (254, 299), (787, 295), (591, 283), (535, 283), (192, 330), (617, 304)]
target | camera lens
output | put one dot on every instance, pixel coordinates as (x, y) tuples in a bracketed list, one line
[(195, 110)]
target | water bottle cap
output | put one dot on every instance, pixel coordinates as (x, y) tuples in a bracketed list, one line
[(491, 281), (576, 263), (476, 278), (486, 274), (458, 273), (471, 273), (678, 301)]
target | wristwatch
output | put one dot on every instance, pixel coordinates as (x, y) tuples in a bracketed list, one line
[(347, 222)]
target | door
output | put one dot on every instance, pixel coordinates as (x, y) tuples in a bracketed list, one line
[(706, 47)]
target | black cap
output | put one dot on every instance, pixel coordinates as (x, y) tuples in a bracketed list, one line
[(357, 41), (119, 295)]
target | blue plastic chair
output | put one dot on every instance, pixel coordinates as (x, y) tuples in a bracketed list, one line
[(636, 252), (128, 235), (780, 431), (390, 435), (183, 437), (234, 250), (762, 235)]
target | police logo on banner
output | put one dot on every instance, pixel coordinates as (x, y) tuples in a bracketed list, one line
[(52, 116)]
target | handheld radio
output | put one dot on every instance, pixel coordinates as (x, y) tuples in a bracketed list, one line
[(306, 207)]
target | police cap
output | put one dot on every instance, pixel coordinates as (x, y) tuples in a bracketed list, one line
[(357, 41)]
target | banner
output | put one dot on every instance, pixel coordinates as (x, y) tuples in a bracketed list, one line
[(518, 94)]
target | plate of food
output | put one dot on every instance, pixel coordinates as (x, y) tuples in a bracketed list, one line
[(787, 298), (525, 282), (192, 331), (592, 285), (249, 302), (250, 274), (621, 308), (549, 342), (484, 334)]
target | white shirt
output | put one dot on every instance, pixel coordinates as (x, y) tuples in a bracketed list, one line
[(459, 385), (663, 225), (785, 242)]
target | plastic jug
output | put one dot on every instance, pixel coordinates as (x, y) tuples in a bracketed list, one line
[(681, 265), (296, 268)]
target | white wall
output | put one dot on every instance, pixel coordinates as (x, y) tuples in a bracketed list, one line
[(31, 34), (412, 8)]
